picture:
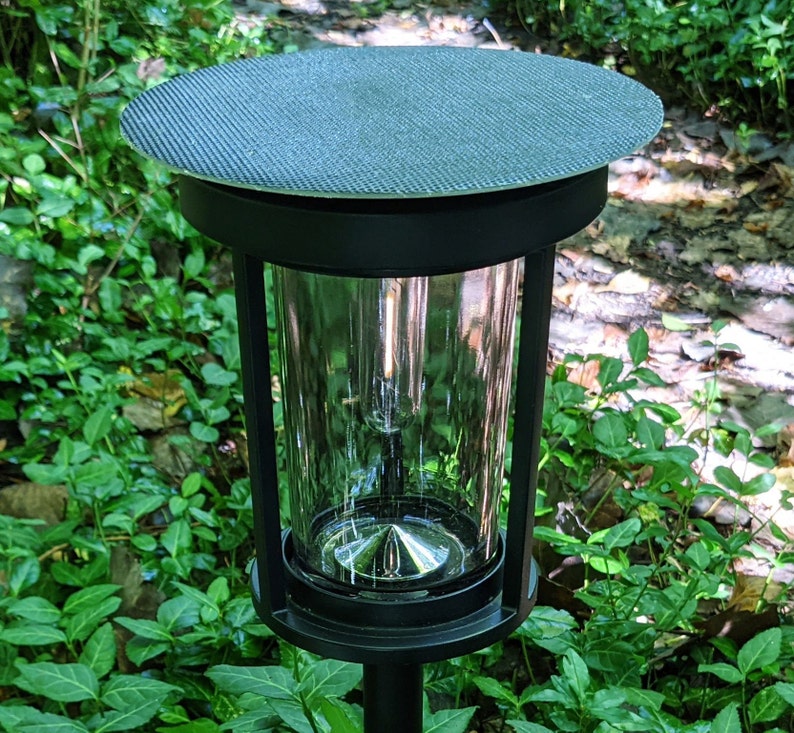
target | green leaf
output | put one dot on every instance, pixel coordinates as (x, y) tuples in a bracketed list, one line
[(34, 164), (178, 612), (28, 634), (204, 433), (609, 371), (272, 682), (194, 264), (35, 609), (342, 717), (726, 672), (786, 691), (622, 534), (96, 473), (72, 682), (135, 701), (727, 720), (522, 726), (638, 346), (145, 628), (767, 705), (88, 598), (17, 216), (98, 425), (24, 719), (54, 205), (81, 625), (217, 376), (141, 650), (292, 713), (448, 721), (728, 478), (610, 430), (177, 537), (330, 678), (99, 651), (758, 484), (761, 650), (574, 671), (495, 689), (674, 323)]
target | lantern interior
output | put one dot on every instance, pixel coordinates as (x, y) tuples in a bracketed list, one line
[(396, 395)]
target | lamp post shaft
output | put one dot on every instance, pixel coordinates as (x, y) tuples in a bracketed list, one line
[(393, 698)]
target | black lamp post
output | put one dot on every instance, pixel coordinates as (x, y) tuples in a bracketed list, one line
[(398, 192)]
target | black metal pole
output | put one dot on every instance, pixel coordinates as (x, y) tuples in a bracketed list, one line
[(393, 698)]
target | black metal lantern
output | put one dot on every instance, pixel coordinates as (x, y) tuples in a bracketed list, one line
[(400, 195)]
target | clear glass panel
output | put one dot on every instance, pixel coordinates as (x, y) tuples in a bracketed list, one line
[(396, 395)]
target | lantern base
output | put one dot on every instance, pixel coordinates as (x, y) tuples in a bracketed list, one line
[(383, 631)]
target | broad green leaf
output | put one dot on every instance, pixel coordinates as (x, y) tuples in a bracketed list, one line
[(21, 633), (218, 590), (35, 610), (96, 473), (81, 625), (72, 682), (191, 484), (126, 690), (726, 672), (728, 478), (88, 598), (493, 688), (98, 425), (448, 721), (523, 726), (272, 682), (727, 720), (674, 323), (24, 719), (758, 484), (638, 346), (767, 705), (622, 534), (217, 376), (141, 650), (193, 264), (179, 612), (639, 697), (761, 650), (786, 691), (291, 712), (177, 537), (609, 371), (610, 430), (342, 717), (145, 628), (24, 574), (135, 701), (331, 678), (204, 433), (574, 671), (99, 651), (17, 216), (34, 164)]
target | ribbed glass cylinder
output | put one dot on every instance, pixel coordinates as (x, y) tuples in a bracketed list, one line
[(396, 394)]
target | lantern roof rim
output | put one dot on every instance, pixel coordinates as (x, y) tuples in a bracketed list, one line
[(392, 122)]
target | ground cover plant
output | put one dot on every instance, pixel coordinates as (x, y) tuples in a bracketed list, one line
[(124, 602), (732, 57)]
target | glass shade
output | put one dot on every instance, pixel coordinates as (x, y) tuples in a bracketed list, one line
[(396, 395)]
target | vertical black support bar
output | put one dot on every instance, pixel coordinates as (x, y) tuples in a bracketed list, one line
[(393, 698), (531, 379), (249, 282)]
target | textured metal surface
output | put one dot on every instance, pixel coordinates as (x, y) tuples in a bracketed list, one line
[(392, 122)]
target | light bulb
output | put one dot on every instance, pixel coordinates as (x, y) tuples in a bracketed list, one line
[(392, 314)]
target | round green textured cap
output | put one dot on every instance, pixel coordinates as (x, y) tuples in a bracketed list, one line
[(391, 123)]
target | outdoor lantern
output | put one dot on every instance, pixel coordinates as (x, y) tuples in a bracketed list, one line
[(407, 200)]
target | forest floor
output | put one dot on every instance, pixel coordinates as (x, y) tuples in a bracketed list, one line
[(698, 229)]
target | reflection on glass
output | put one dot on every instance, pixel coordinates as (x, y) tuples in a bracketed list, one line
[(396, 396)]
